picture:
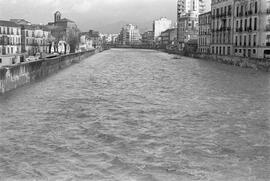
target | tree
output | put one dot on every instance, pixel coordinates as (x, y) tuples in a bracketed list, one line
[(73, 39)]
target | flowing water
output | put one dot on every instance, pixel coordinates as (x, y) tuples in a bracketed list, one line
[(138, 115)]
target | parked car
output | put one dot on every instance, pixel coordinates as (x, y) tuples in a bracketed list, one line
[(31, 58)]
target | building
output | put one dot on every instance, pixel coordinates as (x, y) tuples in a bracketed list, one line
[(96, 38), (188, 29), (35, 39), (65, 30), (161, 25), (169, 37), (187, 6), (222, 27), (85, 42), (10, 43), (130, 35), (187, 20), (252, 28), (20, 21), (204, 39), (148, 38)]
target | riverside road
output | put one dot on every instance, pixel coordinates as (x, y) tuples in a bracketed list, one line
[(138, 115)]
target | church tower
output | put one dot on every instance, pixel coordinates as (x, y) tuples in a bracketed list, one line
[(57, 16)]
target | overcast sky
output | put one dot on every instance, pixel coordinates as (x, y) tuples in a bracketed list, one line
[(89, 13)]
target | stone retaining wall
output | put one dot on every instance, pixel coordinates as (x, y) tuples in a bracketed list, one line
[(15, 76)]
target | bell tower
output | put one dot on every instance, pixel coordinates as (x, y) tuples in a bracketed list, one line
[(57, 16)]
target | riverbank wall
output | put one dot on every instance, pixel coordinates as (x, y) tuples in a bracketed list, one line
[(12, 77), (244, 62)]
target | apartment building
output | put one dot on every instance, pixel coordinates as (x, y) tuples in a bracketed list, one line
[(188, 29), (10, 43), (186, 6), (222, 27), (168, 37), (187, 20), (252, 28), (161, 25), (130, 35), (204, 39), (147, 38), (35, 39)]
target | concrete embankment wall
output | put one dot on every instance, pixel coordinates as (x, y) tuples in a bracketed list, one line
[(257, 64), (15, 76), (244, 62)]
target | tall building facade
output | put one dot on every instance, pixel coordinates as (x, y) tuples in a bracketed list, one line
[(130, 35), (204, 39), (186, 6), (35, 39), (161, 25), (147, 38), (187, 20), (188, 29), (10, 43), (252, 28), (222, 27), (168, 37)]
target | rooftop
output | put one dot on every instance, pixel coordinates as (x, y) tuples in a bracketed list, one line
[(8, 23)]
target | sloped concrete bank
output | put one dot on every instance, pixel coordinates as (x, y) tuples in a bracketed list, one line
[(12, 77)]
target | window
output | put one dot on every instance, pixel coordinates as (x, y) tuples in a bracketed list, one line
[(240, 50), (255, 23), (254, 51), (254, 40), (240, 40), (237, 11), (236, 40), (228, 50), (0, 60), (250, 23), (229, 10), (224, 51), (245, 40), (241, 24), (256, 7), (221, 11), (235, 50), (245, 24), (249, 40)]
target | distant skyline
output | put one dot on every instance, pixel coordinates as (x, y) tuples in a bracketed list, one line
[(90, 14)]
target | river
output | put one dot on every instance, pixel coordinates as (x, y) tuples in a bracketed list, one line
[(138, 115)]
